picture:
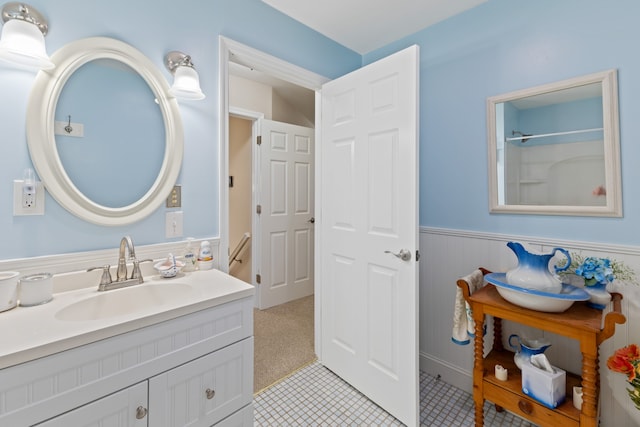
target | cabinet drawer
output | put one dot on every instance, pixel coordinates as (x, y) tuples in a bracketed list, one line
[(116, 410), (527, 408), (204, 391)]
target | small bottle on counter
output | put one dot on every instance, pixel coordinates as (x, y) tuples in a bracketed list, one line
[(190, 258), (205, 258)]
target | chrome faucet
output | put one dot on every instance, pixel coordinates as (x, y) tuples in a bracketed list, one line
[(121, 273), (122, 280)]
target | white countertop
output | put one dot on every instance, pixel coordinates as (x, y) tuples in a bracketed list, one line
[(28, 333)]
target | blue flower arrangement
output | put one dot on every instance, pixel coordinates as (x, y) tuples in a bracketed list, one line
[(596, 270)]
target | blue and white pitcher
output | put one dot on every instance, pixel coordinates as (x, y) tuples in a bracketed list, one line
[(533, 272), (526, 348)]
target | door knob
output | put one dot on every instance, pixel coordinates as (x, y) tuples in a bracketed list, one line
[(312, 220), (404, 254)]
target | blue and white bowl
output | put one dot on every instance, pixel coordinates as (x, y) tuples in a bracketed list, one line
[(537, 300), (170, 267)]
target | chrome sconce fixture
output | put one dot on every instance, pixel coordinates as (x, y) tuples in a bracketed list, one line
[(22, 41), (186, 82)]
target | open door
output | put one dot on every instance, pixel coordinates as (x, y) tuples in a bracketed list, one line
[(286, 206), (368, 231)]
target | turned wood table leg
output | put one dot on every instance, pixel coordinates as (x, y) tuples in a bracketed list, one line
[(590, 381), (478, 369)]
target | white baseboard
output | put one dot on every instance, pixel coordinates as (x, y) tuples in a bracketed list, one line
[(448, 373)]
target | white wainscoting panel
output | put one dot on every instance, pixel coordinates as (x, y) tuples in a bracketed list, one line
[(450, 254)]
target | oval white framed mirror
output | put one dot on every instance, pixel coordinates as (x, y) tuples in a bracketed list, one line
[(43, 146), (554, 149)]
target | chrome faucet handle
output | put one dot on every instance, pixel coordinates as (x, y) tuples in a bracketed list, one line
[(136, 273), (106, 274)]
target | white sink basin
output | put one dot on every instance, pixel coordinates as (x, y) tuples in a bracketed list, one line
[(123, 301)]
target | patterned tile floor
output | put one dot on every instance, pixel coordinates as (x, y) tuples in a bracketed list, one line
[(315, 396)]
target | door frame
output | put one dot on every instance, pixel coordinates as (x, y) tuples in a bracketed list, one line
[(254, 117), (285, 71)]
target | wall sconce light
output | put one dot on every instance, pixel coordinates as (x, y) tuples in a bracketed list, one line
[(22, 41), (186, 82)]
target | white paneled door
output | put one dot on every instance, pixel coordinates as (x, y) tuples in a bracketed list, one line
[(368, 231), (286, 198)]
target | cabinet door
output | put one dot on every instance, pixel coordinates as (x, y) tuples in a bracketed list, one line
[(204, 391), (242, 418), (116, 410)]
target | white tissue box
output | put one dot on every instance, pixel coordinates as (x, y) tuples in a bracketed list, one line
[(547, 388)]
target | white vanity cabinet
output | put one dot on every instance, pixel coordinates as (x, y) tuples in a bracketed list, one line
[(198, 393), (195, 369)]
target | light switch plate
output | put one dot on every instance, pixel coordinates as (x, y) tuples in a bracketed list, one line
[(174, 224), (19, 208), (174, 200)]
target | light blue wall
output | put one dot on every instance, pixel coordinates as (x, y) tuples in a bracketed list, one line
[(154, 27), (507, 45), (498, 47)]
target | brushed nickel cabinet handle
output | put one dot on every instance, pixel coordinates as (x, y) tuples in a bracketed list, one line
[(141, 412), (210, 393)]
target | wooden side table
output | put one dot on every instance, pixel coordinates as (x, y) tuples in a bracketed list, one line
[(579, 322)]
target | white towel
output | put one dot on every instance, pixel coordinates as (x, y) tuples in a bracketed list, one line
[(463, 324)]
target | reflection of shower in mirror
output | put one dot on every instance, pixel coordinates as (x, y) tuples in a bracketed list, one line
[(524, 137)]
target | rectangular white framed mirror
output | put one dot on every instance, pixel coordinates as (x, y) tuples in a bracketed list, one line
[(554, 149)]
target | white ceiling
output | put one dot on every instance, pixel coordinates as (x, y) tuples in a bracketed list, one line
[(366, 25)]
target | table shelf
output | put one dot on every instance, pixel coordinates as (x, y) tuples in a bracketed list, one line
[(508, 394)]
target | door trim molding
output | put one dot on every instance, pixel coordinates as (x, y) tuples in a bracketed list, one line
[(271, 65), (255, 118)]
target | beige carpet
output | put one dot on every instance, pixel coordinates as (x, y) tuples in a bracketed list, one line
[(283, 341)]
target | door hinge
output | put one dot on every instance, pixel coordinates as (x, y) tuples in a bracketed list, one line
[(258, 279), (259, 139), (258, 209)]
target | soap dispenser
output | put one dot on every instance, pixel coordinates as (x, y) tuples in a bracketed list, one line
[(190, 258), (205, 258)]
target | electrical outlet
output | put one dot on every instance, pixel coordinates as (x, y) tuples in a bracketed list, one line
[(173, 226), (28, 202), (28, 195)]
